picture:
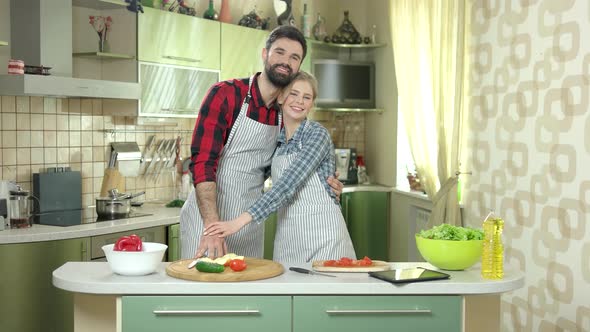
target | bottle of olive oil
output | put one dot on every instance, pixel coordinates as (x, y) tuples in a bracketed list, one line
[(492, 258)]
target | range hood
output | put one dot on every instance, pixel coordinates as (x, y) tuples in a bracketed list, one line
[(41, 34), (57, 86)]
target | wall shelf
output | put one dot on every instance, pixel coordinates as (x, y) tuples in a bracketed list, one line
[(3, 43), (103, 55), (100, 4), (317, 42), (349, 110)]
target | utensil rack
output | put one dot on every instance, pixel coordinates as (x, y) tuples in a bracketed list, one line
[(112, 132)]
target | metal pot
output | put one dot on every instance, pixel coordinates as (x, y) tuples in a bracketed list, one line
[(116, 206)]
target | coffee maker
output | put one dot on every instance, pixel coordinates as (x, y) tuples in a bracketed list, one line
[(346, 165)]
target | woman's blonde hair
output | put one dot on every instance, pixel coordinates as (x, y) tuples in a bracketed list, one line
[(305, 77)]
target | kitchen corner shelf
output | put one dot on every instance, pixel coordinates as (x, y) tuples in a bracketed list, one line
[(317, 42), (350, 110), (3, 43), (100, 4), (103, 55)]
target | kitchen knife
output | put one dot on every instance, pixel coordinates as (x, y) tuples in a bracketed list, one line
[(306, 271)]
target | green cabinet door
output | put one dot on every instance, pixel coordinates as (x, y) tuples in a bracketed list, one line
[(29, 301), (366, 215), (377, 313), (241, 51), (173, 242), (206, 313), (270, 228), (171, 38)]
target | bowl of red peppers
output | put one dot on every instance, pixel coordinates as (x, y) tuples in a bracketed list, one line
[(130, 256)]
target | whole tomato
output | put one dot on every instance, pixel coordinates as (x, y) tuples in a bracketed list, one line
[(237, 265)]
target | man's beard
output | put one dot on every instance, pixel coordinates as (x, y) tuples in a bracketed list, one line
[(278, 79)]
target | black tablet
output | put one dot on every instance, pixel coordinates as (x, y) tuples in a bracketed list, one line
[(409, 275)]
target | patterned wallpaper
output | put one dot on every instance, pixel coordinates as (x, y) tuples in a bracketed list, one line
[(529, 148)]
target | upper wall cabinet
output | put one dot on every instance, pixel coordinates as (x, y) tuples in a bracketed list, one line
[(170, 38), (241, 51)]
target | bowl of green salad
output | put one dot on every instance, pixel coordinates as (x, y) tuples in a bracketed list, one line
[(450, 247)]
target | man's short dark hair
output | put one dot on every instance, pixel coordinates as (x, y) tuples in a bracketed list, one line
[(290, 32)]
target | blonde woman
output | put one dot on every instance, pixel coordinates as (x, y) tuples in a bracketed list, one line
[(310, 223)]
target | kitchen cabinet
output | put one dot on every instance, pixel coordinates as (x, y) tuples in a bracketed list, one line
[(270, 228), (206, 313), (292, 313), (170, 38), (366, 215), (27, 290), (375, 313), (173, 242), (241, 51), (29, 302)]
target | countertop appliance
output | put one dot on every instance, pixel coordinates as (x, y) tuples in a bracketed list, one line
[(346, 165), (344, 84), (59, 191)]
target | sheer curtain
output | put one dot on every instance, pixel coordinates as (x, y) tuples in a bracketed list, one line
[(429, 43)]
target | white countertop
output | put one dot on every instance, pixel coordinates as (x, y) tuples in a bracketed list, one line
[(97, 278), (349, 188), (161, 216)]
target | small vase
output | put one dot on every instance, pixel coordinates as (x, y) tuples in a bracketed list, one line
[(225, 12)]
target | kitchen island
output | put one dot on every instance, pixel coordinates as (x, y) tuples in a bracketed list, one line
[(290, 302)]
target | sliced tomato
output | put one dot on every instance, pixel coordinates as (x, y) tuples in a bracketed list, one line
[(331, 262), (345, 261), (366, 261)]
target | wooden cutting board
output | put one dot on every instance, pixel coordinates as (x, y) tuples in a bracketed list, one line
[(377, 266), (256, 269)]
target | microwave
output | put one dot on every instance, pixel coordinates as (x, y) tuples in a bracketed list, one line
[(344, 84)]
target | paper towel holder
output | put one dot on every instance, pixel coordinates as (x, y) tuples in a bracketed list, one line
[(128, 156)]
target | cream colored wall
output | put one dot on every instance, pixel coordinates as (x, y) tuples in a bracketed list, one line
[(529, 153), (4, 35)]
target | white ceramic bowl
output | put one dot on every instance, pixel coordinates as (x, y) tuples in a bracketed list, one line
[(135, 263)]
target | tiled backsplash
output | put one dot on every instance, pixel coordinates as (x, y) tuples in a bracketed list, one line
[(37, 132)]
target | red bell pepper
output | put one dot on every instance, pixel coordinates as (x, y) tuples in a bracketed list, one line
[(128, 243)]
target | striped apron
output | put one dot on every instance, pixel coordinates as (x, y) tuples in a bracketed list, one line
[(311, 227), (240, 180)]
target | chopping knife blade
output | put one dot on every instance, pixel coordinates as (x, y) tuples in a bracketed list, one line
[(306, 271)]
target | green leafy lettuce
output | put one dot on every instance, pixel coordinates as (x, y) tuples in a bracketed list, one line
[(450, 232)]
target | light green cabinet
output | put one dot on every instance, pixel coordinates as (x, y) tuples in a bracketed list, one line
[(29, 302), (170, 38), (206, 313), (270, 228), (173, 242), (366, 216), (292, 313), (377, 313), (241, 51)]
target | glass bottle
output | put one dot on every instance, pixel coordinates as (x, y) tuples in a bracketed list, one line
[(492, 258), (306, 22), (319, 28), (210, 13)]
